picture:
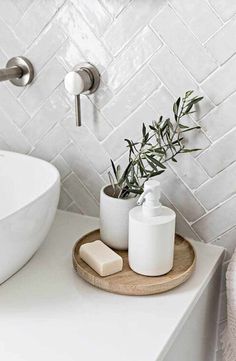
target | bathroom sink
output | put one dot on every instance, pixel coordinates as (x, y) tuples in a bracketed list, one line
[(29, 194)]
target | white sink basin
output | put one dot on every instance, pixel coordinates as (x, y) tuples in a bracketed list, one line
[(29, 194)]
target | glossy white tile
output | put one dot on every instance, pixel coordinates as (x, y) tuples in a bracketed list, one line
[(47, 80), (130, 21), (82, 198), (51, 144), (52, 111), (187, 48), (96, 16), (131, 96), (195, 13), (78, 161), (124, 66)]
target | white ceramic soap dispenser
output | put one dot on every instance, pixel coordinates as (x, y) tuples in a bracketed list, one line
[(151, 233)]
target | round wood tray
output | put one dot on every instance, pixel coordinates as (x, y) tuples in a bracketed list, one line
[(128, 282)]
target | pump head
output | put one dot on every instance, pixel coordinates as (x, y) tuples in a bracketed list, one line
[(150, 198)]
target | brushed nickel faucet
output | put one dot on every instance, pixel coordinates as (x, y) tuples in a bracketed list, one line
[(83, 79), (19, 71)]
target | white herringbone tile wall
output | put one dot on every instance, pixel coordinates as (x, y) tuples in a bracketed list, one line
[(148, 53)]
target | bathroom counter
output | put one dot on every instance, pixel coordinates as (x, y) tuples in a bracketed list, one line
[(48, 313)]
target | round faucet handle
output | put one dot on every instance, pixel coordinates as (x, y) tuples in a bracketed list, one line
[(74, 83), (83, 79)]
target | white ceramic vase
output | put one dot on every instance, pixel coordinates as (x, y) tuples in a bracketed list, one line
[(114, 218)]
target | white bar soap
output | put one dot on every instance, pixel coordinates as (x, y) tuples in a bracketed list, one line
[(101, 258)]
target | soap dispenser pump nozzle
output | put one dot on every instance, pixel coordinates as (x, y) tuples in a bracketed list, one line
[(141, 199), (150, 198)]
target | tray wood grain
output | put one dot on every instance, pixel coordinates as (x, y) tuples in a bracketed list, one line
[(128, 282)]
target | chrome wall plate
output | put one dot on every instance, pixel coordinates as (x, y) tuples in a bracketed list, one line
[(93, 73)]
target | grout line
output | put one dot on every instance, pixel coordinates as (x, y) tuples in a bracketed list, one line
[(137, 70), (177, 56), (214, 10), (212, 210), (83, 185), (188, 223), (134, 34), (218, 140), (224, 233), (81, 151), (189, 27), (98, 38), (213, 177)]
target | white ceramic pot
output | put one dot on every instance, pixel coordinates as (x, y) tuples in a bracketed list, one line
[(114, 218)]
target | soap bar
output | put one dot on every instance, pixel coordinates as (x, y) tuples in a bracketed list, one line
[(101, 258)]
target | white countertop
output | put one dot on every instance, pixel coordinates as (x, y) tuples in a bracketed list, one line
[(48, 313)]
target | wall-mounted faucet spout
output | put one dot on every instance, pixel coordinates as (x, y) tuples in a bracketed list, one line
[(19, 71), (10, 73)]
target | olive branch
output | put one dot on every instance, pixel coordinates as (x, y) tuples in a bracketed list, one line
[(162, 141)]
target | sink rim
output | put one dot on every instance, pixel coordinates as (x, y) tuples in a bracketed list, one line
[(47, 189)]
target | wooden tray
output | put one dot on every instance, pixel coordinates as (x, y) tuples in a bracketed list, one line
[(128, 282)]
